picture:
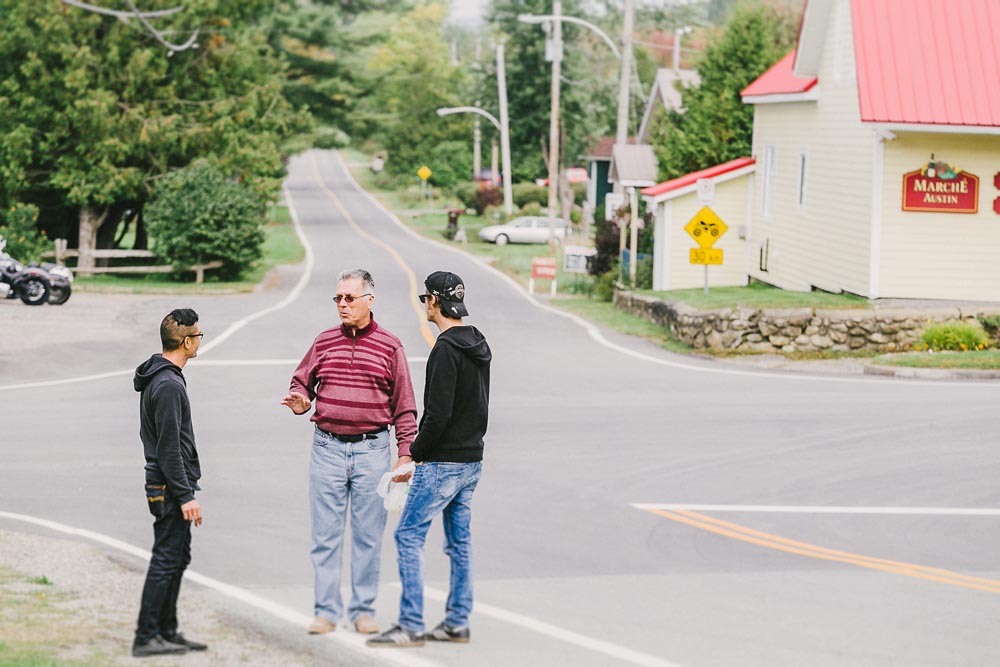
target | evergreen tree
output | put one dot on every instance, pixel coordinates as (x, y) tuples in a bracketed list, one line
[(715, 126)]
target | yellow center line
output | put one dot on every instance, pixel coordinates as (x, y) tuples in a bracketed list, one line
[(421, 314), (778, 543)]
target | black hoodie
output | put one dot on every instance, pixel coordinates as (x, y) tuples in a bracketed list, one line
[(165, 428), (456, 398)]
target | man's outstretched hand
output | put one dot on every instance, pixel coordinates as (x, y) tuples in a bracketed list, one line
[(298, 403)]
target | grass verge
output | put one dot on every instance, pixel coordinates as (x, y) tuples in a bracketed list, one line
[(758, 295), (605, 314), (975, 360), (281, 246), (36, 625)]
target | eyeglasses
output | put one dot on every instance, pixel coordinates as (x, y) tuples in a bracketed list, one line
[(197, 335), (350, 299)]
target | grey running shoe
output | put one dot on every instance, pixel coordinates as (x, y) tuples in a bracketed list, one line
[(445, 633), (157, 646), (181, 640), (396, 637)]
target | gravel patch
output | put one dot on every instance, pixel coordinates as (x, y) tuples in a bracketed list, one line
[(86, 606)]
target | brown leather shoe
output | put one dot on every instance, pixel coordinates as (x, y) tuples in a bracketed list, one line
[(366, 625), (321, 626)]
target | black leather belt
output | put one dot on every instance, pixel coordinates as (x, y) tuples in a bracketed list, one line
[(355, 437)]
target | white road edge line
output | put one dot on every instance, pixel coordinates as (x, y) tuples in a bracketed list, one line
[(351, 640), (821, 509), (599, 338)]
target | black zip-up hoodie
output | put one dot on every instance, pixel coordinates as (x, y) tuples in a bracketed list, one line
[(456, 398), (165, 428)]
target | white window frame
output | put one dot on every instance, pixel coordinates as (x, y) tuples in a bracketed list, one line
[(803, 172), (767, 182)]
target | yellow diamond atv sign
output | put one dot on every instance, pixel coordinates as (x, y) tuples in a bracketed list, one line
[(706, 227)]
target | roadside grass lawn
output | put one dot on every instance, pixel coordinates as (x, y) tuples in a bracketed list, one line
[(37, 624), (973, 360), (757, 295), (281, 246)]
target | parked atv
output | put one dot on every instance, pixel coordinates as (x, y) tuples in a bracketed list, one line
[(34, 285)]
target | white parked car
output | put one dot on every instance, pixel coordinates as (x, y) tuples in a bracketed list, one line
[(526, 229)]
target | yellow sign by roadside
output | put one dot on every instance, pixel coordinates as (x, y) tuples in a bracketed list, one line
[(706, 255), (706, 228), (424, 172)]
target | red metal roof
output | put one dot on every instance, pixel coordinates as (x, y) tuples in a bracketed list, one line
[(779, 80), (928, 61), (692, 178)]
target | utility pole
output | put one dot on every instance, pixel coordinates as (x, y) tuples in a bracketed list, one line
[(621, 138), (495, 163), (556, 44), (508, 194), (476, 150)]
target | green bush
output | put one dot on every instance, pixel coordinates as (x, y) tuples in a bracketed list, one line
[(644, 273), (991, 323), (450, 163), (198, 215), (467, 193), (25, 242), (604, 284), (531, 208), (525, 193), (958, 336)]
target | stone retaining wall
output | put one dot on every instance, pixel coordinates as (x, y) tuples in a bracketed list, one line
[(880, 329)]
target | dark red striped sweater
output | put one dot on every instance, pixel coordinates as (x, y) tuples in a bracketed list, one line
[(360, 382)]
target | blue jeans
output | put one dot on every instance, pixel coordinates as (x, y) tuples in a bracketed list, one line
[(343, 474), (444, 488)]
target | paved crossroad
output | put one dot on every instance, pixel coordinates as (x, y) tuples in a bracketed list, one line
[(636, 508)]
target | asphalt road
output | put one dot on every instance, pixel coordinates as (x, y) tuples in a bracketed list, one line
[(785, 520)]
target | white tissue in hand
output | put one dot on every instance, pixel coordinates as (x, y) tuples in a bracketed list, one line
[(393, 494)]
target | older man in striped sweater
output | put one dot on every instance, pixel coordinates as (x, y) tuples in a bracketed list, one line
[(358, 377)]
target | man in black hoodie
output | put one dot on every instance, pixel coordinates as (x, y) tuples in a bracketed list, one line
[(172, 474), (448, 451)]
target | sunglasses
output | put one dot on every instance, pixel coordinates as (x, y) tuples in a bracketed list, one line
[(348, 298), (197, 335), (423, 297)]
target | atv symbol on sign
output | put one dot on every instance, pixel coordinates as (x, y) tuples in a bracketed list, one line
[(702, 227)]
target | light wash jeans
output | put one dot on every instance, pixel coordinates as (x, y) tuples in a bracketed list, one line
[(446, 489), (344, 474)]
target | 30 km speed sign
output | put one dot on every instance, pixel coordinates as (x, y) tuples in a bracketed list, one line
[(706, 255)]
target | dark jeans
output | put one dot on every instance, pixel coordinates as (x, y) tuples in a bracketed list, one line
[(171, 555)]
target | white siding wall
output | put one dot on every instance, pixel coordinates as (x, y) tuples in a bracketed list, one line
[(825, 242), (941, 255), (730, 205)]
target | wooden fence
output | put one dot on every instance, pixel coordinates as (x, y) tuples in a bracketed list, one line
[(61, 253)]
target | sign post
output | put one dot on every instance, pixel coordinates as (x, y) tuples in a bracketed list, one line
[(424, 173), (706, 228), (543, 268)]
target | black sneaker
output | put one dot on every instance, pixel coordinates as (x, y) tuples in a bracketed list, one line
[(445, 633), (157, 646), (184, 641), (396, 637)]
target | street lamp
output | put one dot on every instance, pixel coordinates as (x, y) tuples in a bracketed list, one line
[(503, 125)]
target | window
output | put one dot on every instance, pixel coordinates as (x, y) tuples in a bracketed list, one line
[(767, 185)]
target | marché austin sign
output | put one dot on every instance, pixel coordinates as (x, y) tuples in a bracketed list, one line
[(940, 187)]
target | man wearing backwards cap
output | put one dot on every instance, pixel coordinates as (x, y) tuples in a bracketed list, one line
[(448, 450)]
